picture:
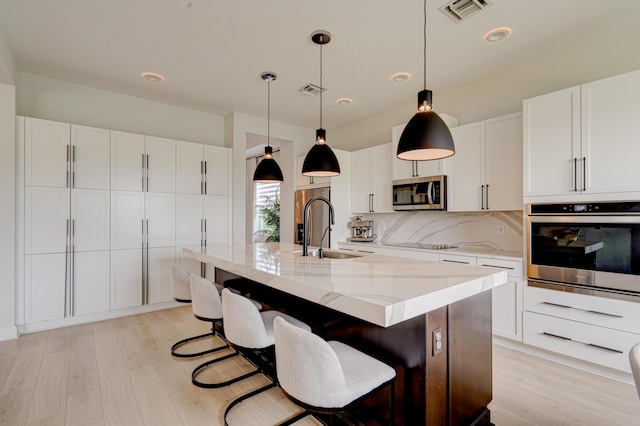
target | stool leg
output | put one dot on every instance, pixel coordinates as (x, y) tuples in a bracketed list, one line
[(245, 397), (193, 339)]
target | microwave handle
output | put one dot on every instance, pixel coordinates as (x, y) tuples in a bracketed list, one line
[(431, 192)]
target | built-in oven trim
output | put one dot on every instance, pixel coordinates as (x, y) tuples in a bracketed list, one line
[(571, 288)]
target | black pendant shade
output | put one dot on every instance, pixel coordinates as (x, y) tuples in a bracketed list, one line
[(426, 136), (268, 170), (321, 160)]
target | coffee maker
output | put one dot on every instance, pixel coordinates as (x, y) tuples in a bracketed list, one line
[(362, 230)]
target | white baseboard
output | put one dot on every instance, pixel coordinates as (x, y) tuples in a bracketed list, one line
[(83, 319), (8, 333), (589, 367)]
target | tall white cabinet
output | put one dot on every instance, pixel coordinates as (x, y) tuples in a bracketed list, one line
[(485, 173), (101, 217), (371, 180), (572, 138), (66, 222), (203, 188)]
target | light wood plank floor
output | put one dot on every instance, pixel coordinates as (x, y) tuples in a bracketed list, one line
[(120, 372)]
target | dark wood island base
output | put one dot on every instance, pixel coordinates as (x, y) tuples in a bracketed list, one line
[(450, 384)]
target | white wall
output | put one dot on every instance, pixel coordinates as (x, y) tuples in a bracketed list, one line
[(7, 211), (8, 70), (57, 100), (499, 94)]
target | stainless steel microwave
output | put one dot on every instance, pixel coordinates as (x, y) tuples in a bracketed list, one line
[(421, 193)]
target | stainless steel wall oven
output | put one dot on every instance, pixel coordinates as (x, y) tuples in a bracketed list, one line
[(585, 247)]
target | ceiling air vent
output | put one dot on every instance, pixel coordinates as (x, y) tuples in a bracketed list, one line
[(459, 10), (311, 89)]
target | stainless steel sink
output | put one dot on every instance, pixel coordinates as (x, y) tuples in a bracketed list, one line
[(330, 254)]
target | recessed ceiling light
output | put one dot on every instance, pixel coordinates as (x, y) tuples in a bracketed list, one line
[(399, 77), (344, 101), (497, 34), (153, 77)]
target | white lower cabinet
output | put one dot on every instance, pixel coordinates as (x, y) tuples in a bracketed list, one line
[(126, 278), (45, 286), (91, 282), (158, 274), (591, 328), (507, 299)]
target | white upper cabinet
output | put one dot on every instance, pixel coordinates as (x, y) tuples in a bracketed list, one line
[(127, 161), (90, 168), (583, 140), (551, 145), (610, 134), (371, 190), (216, 170), (202, 169), (47, 153), (190, 168), (160, 163), (303, 181), (486, 171)]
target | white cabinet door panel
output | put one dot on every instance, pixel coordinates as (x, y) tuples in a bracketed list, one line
[(161, 217), (466, 168), (189, 217), (127, 213), (503, 172), (91, 282), (159, 278), (46, 219), (127, 150), (161, 164), (216, 215), (507, 309), (360, 181), (187, 262), (90, 157), (44, 277), (381, 178), (610, 129), (90, 215), (551, 132), (46, 152), (217, 170), (189, 159), (126, 278)]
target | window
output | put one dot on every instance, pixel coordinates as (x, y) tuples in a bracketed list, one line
[(266, 224)]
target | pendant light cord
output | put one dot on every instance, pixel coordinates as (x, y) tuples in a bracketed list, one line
[(425, 44), (268, 111), (321, 87)]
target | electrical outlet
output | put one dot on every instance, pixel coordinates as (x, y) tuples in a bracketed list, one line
[(436, 341), (500, 229)]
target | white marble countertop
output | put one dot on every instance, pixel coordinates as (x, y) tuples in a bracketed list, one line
[(472, 251), (383, 290)]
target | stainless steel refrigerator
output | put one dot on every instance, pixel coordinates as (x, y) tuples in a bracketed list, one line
[(318, 216)]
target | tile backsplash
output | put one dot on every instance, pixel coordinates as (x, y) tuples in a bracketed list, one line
[(471, 230)]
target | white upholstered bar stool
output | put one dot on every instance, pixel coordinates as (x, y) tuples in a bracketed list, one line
[(634, 360), (247, 329), (206, 306), (326, 377)]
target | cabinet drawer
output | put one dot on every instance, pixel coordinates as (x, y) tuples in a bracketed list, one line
[(514, 268), (611, 313), (411, 254), (457, 258), (599, 345)]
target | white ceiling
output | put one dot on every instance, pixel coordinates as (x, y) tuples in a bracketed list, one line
[(213, 52)]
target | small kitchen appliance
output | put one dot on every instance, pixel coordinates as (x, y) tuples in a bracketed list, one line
[(362, 230)]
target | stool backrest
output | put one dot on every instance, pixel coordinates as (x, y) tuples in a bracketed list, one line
[(243, 324), (307, 367), (180, 288), (634, 359), (206, 302)]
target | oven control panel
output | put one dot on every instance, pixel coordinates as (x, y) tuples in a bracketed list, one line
[(619, 207)]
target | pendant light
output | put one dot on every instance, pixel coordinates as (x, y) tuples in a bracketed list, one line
[(268, 170), (320, 160), (426, 136)]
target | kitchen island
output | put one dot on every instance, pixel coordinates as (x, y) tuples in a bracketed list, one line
[(430, 321)]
